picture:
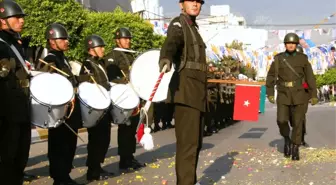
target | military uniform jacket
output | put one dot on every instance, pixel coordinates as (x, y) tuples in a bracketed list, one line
[(291, 95), (57, 59), (14, 89), (97, 68), (185, 48), (118, 61)]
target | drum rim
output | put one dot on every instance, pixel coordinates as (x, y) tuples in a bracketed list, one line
[(119, 106), (90, 107), (130, 74), (87, 105), (47, 104)]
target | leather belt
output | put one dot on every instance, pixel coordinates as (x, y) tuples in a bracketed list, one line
[(291, 84), (196, 66), (23, 83)]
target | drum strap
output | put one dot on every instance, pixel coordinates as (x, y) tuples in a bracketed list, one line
[(65, 61), (125, 57), (18, 55), (100, 67)]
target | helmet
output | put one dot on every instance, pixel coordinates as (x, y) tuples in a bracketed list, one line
[(56, 31), (93, 41), (122, 33), (202, 1), (299, 49), (292, 38), (10, 9)]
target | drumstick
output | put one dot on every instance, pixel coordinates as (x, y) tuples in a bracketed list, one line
[(94, 81), (148, 103), (73, 131), (58, 70)]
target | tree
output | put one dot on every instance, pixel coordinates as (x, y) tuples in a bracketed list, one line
[(105, 25), (41, 13)]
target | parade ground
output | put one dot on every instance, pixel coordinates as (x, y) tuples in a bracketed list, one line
[(245, 153)]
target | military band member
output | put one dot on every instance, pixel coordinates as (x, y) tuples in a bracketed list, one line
[(184, 47), (62, 142), (15, 122), (291, 72), (99, 135), (120, 63)]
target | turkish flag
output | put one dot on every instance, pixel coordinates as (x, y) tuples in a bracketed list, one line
[(246, 104)]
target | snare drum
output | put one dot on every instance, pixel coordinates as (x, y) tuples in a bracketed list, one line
[(93, 103), (51, 94), (124, 101)]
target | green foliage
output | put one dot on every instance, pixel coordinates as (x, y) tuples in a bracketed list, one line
[(81, 23), (328, 78), (44, 12), (105, 25)]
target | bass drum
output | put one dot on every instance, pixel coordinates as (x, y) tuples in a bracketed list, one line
[(75, 67), (145, 72)]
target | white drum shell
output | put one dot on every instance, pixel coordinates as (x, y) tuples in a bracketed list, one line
[(144, 74), (91, 114), (44, 114), (121, 93), (47, 117)]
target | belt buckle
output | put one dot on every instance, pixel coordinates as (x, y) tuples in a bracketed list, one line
[(289, 84)]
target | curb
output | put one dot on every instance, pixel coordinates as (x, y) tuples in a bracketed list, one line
[(38, 134)]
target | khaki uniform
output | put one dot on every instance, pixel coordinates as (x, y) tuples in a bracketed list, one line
[(188, 91), (99, 135), (15, 123), (292, 98)]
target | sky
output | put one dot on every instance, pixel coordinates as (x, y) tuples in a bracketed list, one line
[(268, 11)]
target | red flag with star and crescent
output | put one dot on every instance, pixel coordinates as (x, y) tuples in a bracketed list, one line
[(246, 104)]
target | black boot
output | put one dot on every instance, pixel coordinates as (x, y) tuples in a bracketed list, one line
[(287, 147), (295, 153)]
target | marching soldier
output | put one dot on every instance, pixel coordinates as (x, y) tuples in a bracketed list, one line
[(292, 74), (210, 117), (62, 143), (120, 63), (99, 135), (304, 128), (15, 124), (188, 87)]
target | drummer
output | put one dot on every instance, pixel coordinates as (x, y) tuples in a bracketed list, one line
[(62, 142), (99, 135), (120, 62)]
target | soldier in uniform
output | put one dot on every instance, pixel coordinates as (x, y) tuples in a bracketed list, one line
[(99, 135), (292, 74), (120, 64), (62, 143), (184, 47), (15, 124)]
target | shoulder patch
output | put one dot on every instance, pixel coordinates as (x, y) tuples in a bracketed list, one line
[(177, 24), (110, 60)]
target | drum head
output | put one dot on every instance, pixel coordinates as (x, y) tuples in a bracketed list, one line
[(75, 67), (92, 96), (144, 74), (51, 89), (124, 96)]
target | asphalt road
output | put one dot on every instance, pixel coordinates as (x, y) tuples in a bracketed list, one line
[(246, 153)]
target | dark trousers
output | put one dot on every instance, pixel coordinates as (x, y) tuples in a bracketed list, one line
[(167, 112), (99, 141), (294, 113), (189, 134), (15, 139), (126, 138), (210, 115), (62, 144)]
